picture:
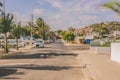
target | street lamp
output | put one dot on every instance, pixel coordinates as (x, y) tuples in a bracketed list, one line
[(32, 23)]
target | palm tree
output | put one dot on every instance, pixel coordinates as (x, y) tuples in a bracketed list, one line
[(16, 32), (5, 27), (1, 5), (50, 35), (26, 30), (39, 24), (42, 26), (113, 5)]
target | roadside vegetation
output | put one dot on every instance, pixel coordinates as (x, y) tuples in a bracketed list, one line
[(67, 35), (40, 29), (13, 30)]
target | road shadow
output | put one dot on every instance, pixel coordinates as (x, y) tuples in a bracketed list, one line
[(10, 78), (52, 51), (37, 55), (7, 71), (37, 67), (41, 47)]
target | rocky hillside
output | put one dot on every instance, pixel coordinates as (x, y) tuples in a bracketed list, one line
[(100, 28)]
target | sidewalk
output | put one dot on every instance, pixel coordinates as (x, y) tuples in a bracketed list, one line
[(101, 67), (13, 51)]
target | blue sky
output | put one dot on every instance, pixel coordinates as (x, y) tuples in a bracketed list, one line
[(61, 14)]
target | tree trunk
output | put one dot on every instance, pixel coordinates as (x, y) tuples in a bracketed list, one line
[(5, 44), (17, 44)]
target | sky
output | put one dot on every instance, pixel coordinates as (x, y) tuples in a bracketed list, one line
[(61, 14)]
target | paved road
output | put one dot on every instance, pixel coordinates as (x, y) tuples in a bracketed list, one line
[(55, 62)]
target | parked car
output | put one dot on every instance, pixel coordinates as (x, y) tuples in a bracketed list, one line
[(39, 43), (20, 44), (50, 41), (46, 42)]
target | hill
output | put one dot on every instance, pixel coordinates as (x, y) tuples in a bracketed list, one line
[(100, 28)]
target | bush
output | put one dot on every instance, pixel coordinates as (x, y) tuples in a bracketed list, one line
[(95, 43), (98, 43), (69, 36), (72, 42), (106, 44)]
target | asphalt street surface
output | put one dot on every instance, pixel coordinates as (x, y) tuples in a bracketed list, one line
[(54, 62)]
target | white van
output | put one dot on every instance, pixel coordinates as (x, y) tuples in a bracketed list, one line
[(39, 43)]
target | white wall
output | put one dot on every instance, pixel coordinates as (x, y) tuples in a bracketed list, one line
[(101, 50), (115, 52)]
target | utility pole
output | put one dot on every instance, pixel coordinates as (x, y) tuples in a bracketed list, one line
[(43, 32), (4, 6), (32, 24), (31, 35)]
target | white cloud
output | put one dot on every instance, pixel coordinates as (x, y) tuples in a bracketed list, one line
[(20, 17), (55, 3), (76, 13), (38, 11), (60, 14)]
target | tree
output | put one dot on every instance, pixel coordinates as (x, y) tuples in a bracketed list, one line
[(26, 30), (59, 32), (113, 5), (16, 32), (50, 35), (39, 24), (69, 36), (42, 27), (71, 29), (5, 27), (1, 5)]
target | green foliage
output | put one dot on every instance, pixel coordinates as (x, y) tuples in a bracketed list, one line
[(69, 36), (98, 44), (101, 29), (1, 4), (42, 27), (97, 37), (6, 23), (59, 32), (113, 5), (106, 44), (16, 31), (72, 42), (63, 33), (81, 34), (25, 30), (36, 36), (50, 34), (95, 43)]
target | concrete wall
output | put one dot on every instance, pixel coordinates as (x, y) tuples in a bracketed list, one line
[(101, 50), (115, 52)]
